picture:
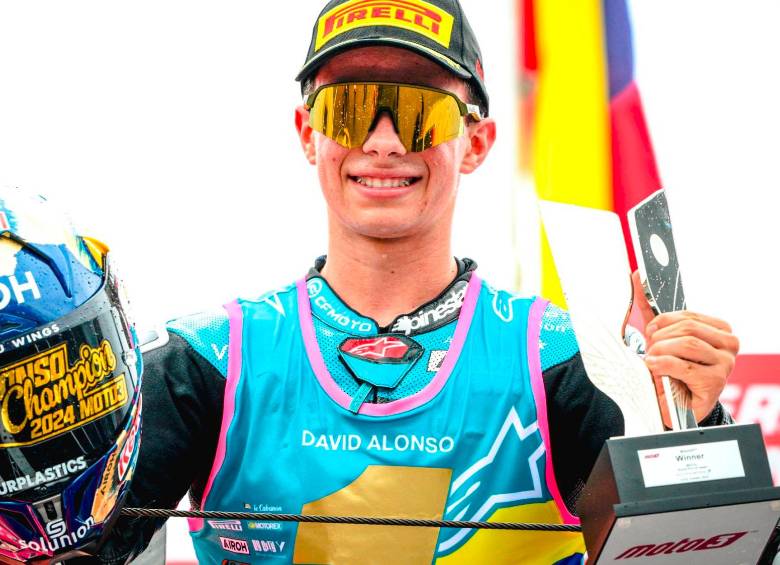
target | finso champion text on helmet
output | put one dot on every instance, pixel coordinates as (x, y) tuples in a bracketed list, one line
[(70, 374)]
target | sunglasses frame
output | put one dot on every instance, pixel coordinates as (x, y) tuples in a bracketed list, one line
[(466, 110)]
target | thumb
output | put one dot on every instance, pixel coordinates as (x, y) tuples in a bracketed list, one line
[(641, 304)]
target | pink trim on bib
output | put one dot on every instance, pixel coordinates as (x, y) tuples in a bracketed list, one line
[(236, 320), (540, 397), (397, 406)]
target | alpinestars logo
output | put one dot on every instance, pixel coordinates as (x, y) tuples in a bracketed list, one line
[(436, 314), (475, 494), (387, 347)]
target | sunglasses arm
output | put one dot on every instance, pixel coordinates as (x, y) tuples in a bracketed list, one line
[(473, 112)]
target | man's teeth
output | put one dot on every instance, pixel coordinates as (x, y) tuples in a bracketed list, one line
[(384, 183)]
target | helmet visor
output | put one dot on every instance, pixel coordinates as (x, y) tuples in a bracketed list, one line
[(66, 390)]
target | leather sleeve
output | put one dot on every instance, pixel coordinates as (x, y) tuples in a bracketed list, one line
[(182, 412), (581, 418)]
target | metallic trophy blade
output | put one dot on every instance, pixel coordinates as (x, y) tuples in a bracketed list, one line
[(659, 272), (593, 267)]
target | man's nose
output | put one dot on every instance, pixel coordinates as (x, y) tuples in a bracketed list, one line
[(383, 141)]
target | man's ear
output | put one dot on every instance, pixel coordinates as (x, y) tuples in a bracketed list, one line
[(481, 136), (306, 134)]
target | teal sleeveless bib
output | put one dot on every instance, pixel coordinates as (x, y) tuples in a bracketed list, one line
[(470, 445)]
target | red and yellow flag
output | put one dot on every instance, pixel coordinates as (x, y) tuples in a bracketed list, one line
[(585, 139)]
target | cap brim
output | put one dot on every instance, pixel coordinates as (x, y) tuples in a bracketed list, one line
[(320, 58)]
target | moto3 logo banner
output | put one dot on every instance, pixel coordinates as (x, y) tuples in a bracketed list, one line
[(681, 546)]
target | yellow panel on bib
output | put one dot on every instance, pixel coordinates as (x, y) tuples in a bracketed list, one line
[(499, 547), (382, 492)]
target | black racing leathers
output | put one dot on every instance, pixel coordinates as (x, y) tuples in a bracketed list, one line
[(182, 415)]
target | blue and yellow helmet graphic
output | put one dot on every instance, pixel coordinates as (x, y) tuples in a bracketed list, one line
[(70, 371)]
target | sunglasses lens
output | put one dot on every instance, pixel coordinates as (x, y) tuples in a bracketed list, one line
[(426, 118), (344, 113), (423, 118)]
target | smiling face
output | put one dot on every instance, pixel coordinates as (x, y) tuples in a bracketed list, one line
[(380, 190)]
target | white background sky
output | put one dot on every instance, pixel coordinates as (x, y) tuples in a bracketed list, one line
[(166, 127)]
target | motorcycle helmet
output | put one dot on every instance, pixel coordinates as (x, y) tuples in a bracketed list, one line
[(70, 371)]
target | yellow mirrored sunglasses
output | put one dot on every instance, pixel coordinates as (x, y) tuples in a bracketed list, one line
[(423, 117)]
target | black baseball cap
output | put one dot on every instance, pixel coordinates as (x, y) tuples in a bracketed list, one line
[(436, 29)]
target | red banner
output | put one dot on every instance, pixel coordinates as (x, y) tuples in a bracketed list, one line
[(753, 396)]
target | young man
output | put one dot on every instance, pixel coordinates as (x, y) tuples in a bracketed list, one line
[(391, 381)]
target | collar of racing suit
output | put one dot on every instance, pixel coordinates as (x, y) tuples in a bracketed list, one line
[(450, 300), (380, 364)]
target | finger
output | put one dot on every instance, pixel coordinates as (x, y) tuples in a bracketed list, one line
[(669, 318), (686, 348), (697, 375), (706, 382), (717, 338)]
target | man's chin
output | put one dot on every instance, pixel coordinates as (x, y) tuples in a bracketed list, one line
[(385, 229)]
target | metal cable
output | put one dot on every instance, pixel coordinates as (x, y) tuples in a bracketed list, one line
[(361, 520)]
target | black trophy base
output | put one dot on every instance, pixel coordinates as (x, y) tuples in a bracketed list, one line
[(694, 496)]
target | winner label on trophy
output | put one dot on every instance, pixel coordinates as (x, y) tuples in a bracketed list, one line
[(689, 495)]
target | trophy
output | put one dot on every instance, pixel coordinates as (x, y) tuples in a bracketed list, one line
[(687, 495), (659, 272)]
